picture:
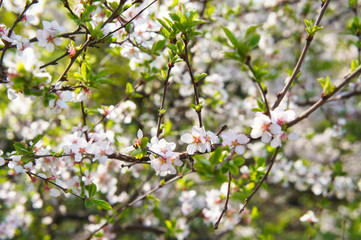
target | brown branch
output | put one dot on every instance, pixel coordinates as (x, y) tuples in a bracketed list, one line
[(309, 38), (55, 61), (261, 182), (18, 19), (142, 197), (226, 203), (84, 115), (326, 98), (124, 25), (65, 190), (185, 58), (114, 14), (258, 84), (166, 84)]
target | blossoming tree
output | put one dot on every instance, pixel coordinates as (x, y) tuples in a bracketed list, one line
[(183, 119)]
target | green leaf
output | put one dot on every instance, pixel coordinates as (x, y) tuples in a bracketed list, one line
[(89, 203), (20, 148), (128, 89), (199, 77), (172, 47), (102, 204), (238, 161), (231, 37), (92, 189), (326, 85), (233, 169), (216, 156), (158, 46), (144, 142)]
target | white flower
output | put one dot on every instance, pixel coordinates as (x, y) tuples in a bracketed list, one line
[(80, 148), (234, 140), (271, 130), (16, 164), (164, 158), (196, 141), (61, 102), (282, 117), (2, 160), (48, 36), (309, 217), (129, 51), (260, 128)]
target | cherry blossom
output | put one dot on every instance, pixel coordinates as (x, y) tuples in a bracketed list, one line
[(48, 36), (309, 216), (130, 51), (163, 157), (61, 101), (199, 140), (234, 140)]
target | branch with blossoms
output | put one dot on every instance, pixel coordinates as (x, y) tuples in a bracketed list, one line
[(84, 158)]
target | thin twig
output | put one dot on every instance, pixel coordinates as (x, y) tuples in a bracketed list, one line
[(185, 58), (84, 115), (296, 70), (18, 19), (258, 84), (166, 84), (261, 182), (226, 203), (142, 197), (55, 61), (65, 190), (325, 99)]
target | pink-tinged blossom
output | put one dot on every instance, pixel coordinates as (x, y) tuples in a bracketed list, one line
[(272, 130), (48, 36), (79, 8), (130, 51), (282, 117), (22, 45), (309, 216), (196, 140), (80, 148), (71, 50), (260, 127), (61, 102), (102, 150), (234, 140), (16, 164), (164, 158), (29, 19)]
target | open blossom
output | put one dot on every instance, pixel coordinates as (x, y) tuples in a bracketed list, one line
[(59, 103), (309, 217), (48, 36), (234, 140), (80, 148), (272, 129), (199, 140), (264, 128), (16, 164), (164, 158), (130, 51)]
